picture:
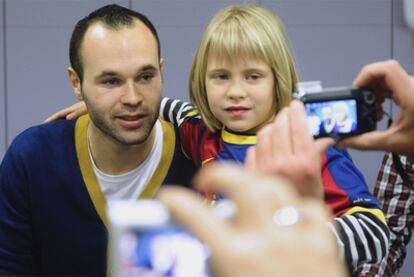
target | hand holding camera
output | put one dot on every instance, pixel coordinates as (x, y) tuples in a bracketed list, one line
[(388, 80)]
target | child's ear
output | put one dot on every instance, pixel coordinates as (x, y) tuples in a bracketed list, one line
[(75, 83)]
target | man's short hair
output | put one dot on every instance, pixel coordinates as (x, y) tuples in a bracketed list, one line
[(113, 17)]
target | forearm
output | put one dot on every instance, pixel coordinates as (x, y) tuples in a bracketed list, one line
[(16, 233), (362, 238), (174, 111), (397, 201)]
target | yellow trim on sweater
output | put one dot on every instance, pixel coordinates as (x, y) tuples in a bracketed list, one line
[(377, 212), (85, 164), (168, 147), (89, 177)]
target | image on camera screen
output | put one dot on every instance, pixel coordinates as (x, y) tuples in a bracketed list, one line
[(334, 117), (170, 251)]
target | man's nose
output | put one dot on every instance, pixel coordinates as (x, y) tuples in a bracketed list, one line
[(131, 95)]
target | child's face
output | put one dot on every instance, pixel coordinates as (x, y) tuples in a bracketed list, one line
[(240, 94)]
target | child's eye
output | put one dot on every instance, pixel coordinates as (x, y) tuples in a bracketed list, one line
[(221, 77), (253, 77)]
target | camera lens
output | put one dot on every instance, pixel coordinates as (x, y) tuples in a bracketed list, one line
[(369, 97)]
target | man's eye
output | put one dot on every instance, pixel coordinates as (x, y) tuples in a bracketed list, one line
[(147, 77), (111, 82)]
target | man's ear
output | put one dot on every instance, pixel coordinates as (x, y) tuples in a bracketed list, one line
[(161, 69), (75, 83), (161, 64)]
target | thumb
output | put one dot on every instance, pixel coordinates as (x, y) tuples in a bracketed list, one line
[(323, 143), (191, 211), (250, 162), (376, 140)]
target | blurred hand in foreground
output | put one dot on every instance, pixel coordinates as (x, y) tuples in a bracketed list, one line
[(252, 243), (286, 148)]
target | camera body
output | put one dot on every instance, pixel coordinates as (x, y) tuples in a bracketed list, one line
[(145, 241), (340, 112)]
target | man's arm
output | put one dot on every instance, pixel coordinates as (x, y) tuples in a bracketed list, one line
[(16, 241), (397, 202), (175, 111), (189, 124), (359, 225), (362, 238), (72, 112), (172, 110)]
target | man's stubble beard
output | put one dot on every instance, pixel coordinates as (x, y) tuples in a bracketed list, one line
[(110, 130)]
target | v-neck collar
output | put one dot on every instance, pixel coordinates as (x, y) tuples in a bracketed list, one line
[(89, 177)]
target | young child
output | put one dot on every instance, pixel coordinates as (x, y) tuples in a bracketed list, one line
[(242, 75)]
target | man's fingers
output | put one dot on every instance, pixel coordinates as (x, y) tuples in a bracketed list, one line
[(280, 136), (262, 191), (189, 209), (59, 115), (322, 144), (75, 114), (226, 178), (250, 162), (369, 74), (72, 112), (376, 140), (386, 78), (264, 149), (301, 139)]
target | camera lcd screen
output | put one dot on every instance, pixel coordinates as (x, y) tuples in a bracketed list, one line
[(335, 117), (167, 251)]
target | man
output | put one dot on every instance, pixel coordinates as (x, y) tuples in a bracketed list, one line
[(56, 179)]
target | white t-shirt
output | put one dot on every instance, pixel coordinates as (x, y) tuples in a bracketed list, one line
[(129, 185)]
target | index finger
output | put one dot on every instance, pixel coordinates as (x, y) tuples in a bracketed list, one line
[(375, 140), (58, 115), (386, 78), (301, 138), (253, 195), (189, 210)]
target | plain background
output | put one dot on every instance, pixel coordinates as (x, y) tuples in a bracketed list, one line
[(331, 41)]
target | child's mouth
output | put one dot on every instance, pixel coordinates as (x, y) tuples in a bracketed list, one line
[(237, 111)]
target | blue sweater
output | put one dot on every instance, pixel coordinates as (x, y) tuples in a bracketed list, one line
[(52, 210)]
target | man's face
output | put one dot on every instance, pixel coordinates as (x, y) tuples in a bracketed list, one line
[(122, 81)]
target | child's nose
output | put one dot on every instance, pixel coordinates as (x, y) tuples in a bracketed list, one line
[(236, 91)]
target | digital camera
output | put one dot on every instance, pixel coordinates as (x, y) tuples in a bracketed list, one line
[(340, 112), (145, 241)]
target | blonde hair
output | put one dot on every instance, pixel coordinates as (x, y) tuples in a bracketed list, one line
[(243, 31)]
